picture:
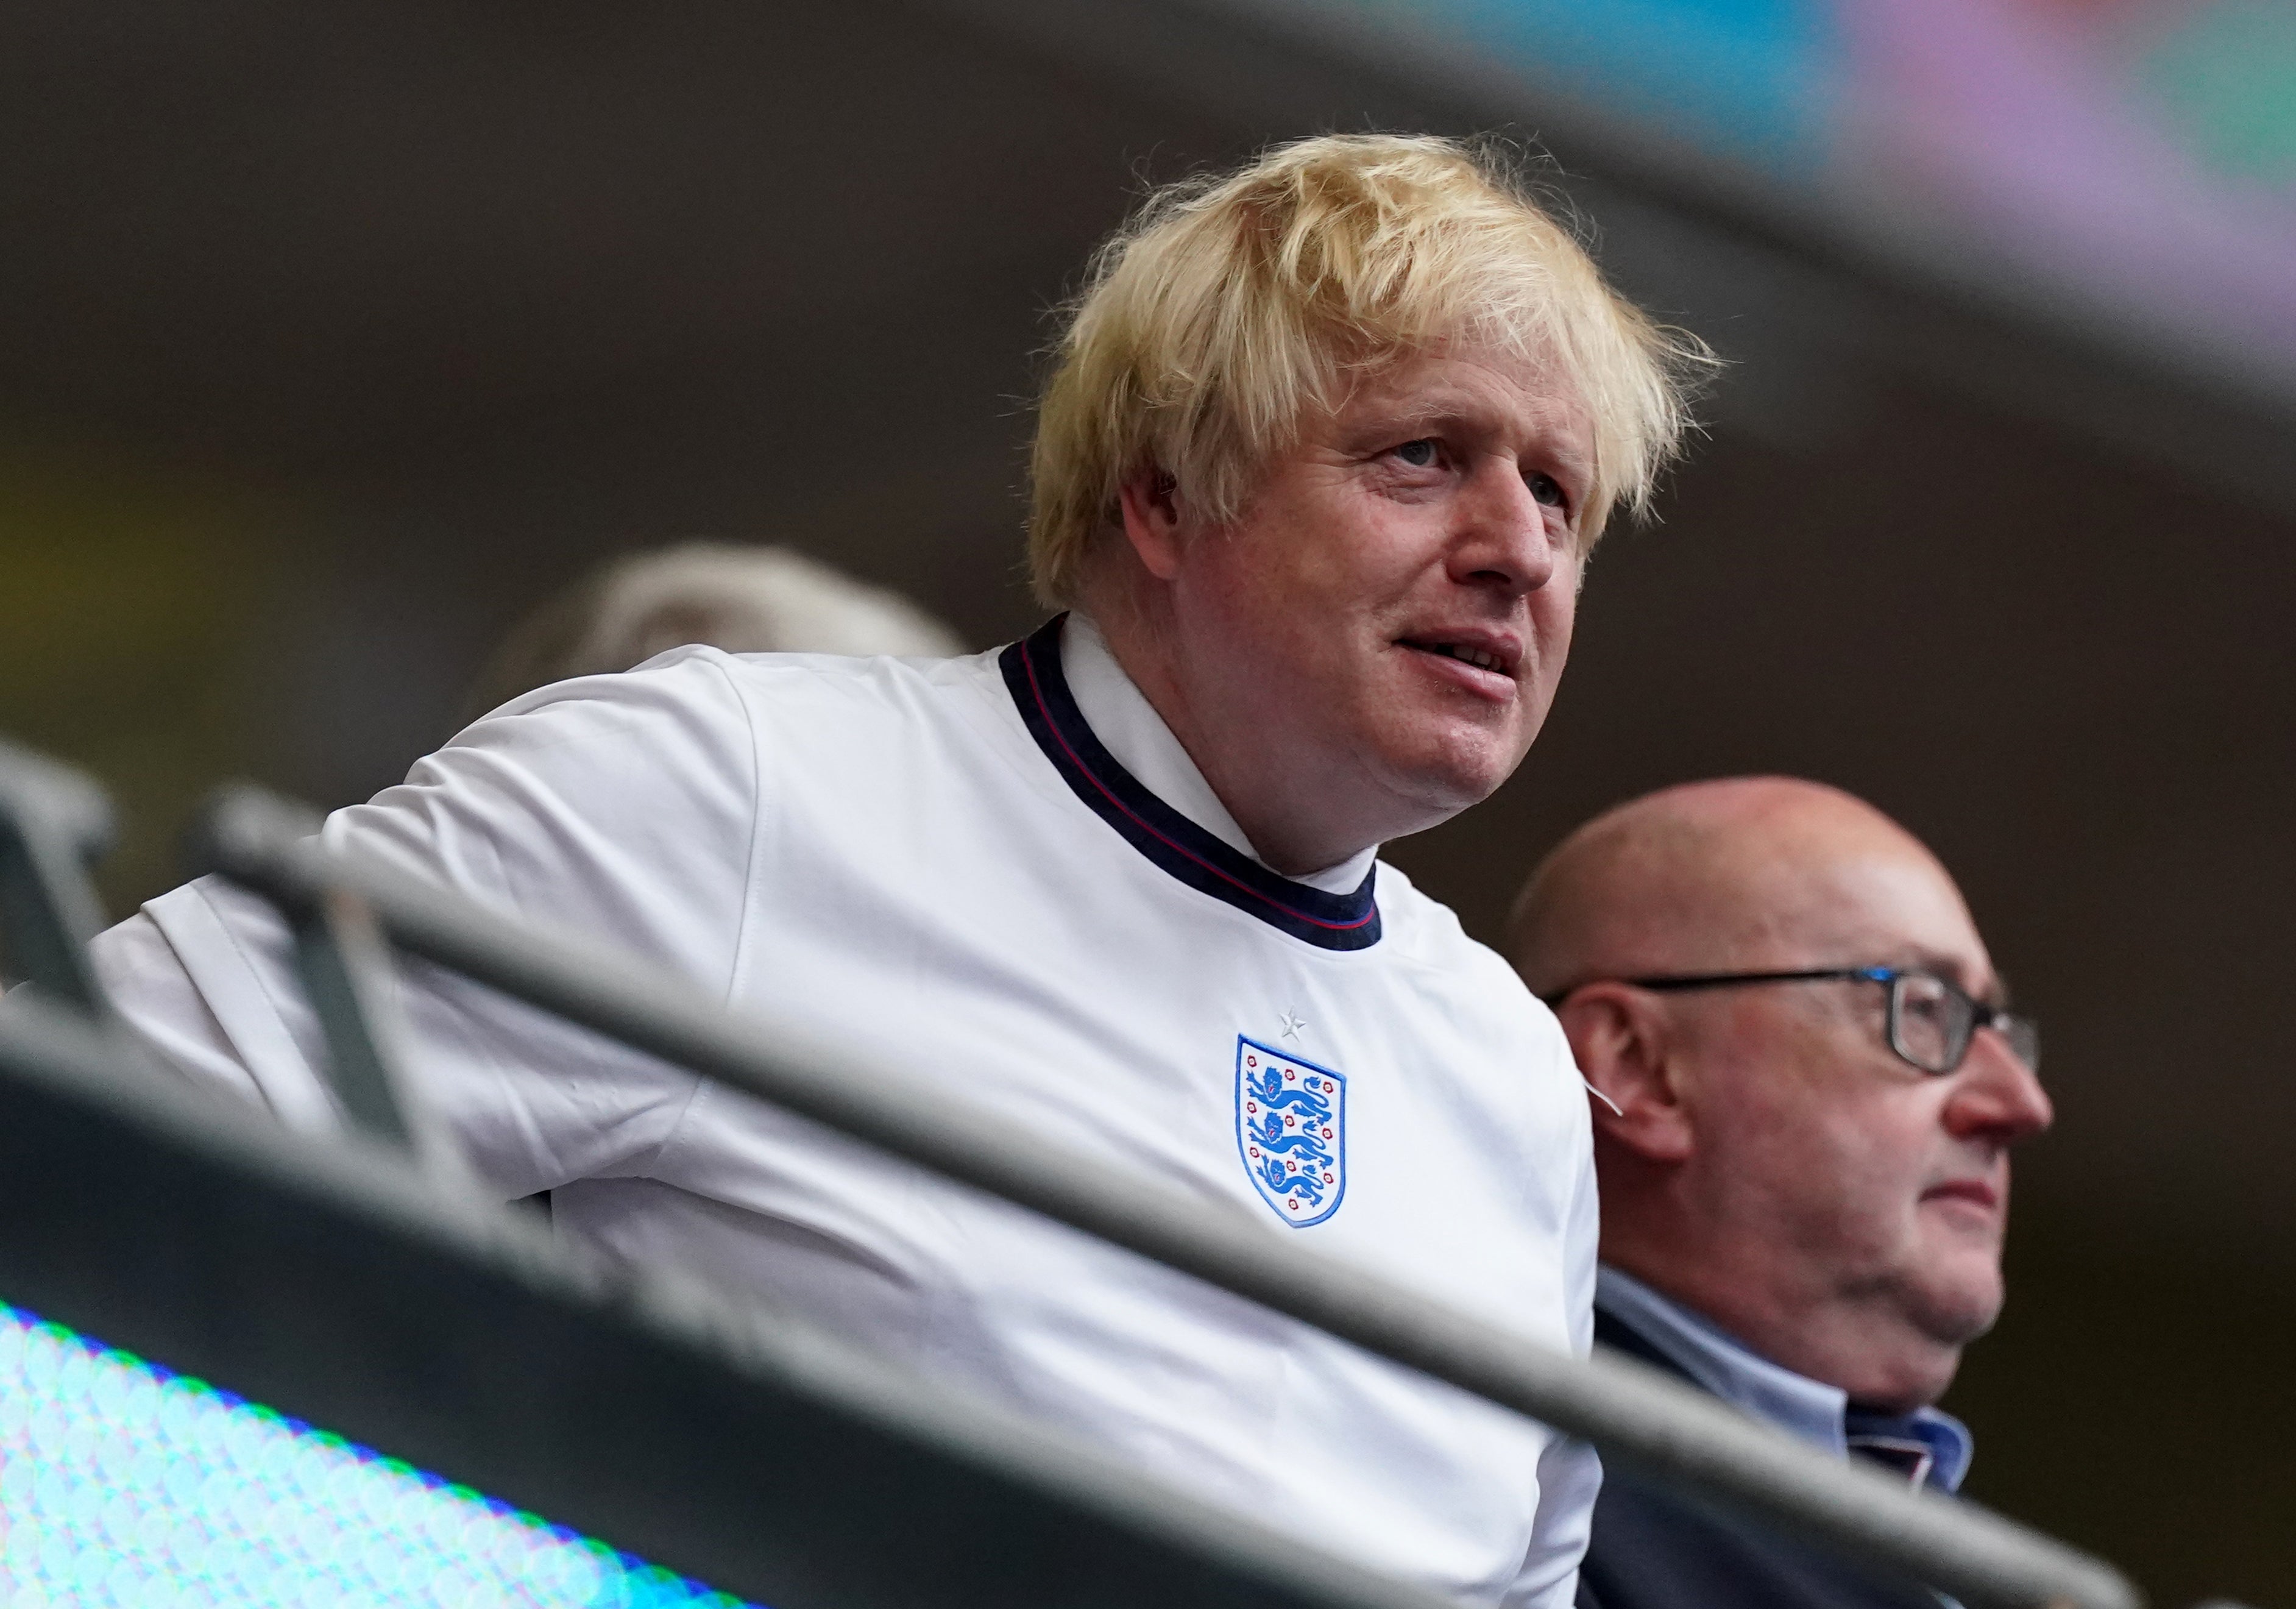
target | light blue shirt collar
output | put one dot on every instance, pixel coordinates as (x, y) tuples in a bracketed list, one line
[(1807, 1410)]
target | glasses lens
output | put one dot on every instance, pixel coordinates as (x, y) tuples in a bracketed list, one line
[(1930, 1022), (2024, 1037)]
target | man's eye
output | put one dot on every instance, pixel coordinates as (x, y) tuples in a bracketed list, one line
[(1545, 488), (1420, 454)]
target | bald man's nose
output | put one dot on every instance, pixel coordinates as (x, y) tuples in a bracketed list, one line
[(1996, 1095)]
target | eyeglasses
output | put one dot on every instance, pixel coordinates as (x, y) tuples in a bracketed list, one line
[(1931, 1020)]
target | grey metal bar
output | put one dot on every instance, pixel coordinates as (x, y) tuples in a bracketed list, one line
[(335, 1281), (1628, 1411), (345, 965), (52, 821)]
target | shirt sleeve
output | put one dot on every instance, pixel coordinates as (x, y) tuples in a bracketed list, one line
[(619, 809), (1570, 1471)]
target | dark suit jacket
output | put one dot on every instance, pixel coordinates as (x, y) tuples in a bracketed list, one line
[(1654, 1549)]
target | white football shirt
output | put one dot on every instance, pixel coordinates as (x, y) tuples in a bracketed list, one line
[(945, 862)]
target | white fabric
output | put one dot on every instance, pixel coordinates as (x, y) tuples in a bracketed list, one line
[(877, 849)]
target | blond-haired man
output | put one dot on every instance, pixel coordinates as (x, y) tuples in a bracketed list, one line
[(1325, 450)]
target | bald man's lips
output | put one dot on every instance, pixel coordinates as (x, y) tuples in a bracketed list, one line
[(1975, 1192)]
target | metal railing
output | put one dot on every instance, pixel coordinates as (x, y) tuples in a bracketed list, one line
[(337, 1282), (339, 903)]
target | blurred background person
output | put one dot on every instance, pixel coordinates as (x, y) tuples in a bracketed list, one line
[(742, 598), (1808, 1089)]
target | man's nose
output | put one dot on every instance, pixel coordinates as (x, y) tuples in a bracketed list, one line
[(1996, 1095), (1503, 539)]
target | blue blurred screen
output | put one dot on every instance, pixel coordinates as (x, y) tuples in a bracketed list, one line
[(121, 1483)]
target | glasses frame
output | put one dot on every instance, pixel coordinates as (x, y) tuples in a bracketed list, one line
[(2022, 1034)]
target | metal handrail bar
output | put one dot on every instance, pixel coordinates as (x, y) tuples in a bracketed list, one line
[(346, 966), (52, 820), (1628, 1411), (1221, 1554)]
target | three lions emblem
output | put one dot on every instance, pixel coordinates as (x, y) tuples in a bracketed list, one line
[(1291, 1131)]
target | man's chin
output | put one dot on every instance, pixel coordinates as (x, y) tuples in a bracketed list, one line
[(1956, 1312), (1436, 796), (1450, 776)]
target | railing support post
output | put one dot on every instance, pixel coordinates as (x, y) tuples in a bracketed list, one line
[(53, 821)]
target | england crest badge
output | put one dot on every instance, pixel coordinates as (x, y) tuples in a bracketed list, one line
[(1291, 1130)]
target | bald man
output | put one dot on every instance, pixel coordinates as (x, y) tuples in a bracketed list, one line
[(1808, 1087)]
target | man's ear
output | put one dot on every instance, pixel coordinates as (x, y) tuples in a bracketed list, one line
[(1149, 504), (1622, 1038)]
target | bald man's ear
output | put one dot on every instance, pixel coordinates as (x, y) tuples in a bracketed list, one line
[(1622, 1037), (1149, 504)]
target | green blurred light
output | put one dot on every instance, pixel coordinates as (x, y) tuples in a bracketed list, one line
[(2229, 77)]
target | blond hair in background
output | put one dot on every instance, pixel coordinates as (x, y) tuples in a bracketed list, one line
[(1230, 305), (743, 599)]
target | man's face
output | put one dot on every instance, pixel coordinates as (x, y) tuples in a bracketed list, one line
[(1868, 1185), (1386, 622)]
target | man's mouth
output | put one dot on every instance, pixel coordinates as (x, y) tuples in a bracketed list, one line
[(1481, 659), (1976, 1192)]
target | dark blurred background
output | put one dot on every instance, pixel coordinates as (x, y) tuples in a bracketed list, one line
[(332, 339)]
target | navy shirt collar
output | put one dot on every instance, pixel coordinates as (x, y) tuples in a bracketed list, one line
[(1191, 853)]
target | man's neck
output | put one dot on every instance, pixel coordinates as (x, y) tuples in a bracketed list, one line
[(1143, 743), (1860, 1348), (1811, 1409), (1302, 838)]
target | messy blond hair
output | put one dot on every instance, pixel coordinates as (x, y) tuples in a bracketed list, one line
[(1229, 305)]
